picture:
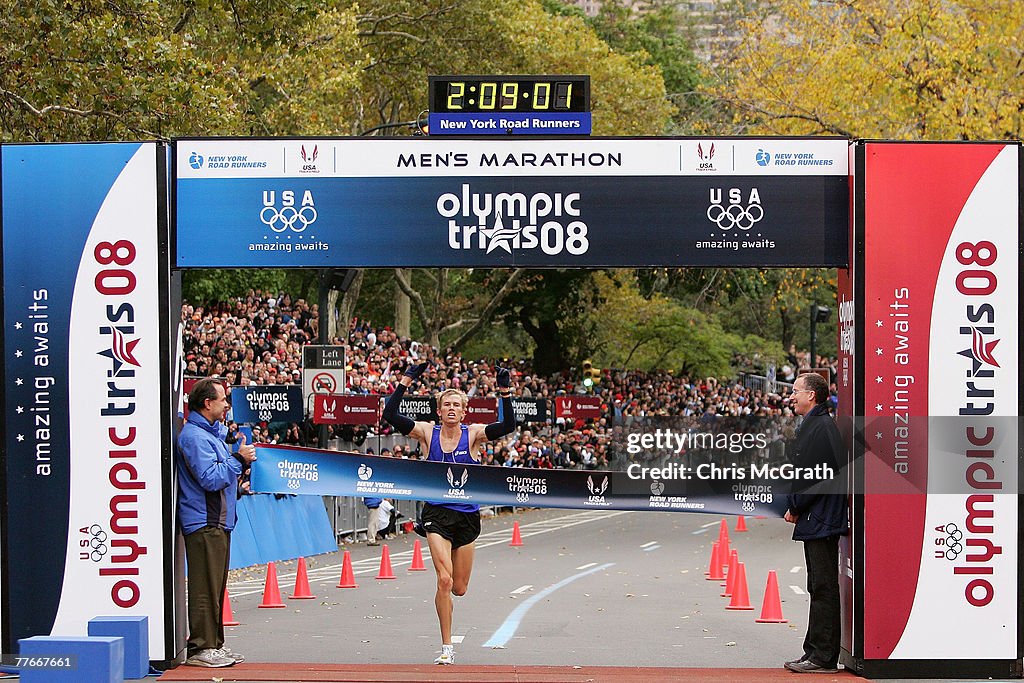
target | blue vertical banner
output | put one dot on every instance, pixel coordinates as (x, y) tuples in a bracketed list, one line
[(85, 457)]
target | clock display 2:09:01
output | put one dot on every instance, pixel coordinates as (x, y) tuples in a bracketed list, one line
[(505, 96)]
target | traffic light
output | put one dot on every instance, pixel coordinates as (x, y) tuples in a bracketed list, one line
[(591, 375)]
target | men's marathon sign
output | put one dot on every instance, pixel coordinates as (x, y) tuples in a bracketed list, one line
[(511, 202), (287, 469)]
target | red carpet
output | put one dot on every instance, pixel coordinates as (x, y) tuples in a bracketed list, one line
[(425, 673)]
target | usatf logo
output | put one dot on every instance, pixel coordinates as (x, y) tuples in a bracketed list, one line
[(290, 213), (457, 484), (514, 221), (330, 406), (597, 492), (365, 472), (705, 154), (309, 164), (738, 211)]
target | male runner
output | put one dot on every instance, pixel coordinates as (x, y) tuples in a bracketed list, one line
[(451, 528)]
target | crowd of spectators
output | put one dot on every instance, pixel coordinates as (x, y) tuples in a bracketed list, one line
[(258, 339)]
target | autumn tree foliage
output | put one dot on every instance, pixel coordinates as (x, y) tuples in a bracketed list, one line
[(915, 69)]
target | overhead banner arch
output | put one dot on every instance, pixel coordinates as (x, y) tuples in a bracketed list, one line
[(926, 237), (514, 202)]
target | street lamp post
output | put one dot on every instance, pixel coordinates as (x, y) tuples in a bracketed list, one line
[(819, 314)]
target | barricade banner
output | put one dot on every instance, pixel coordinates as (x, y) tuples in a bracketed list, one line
[(703, 488), (329, 409), (530, 409), (578, 407), (421, 408), (250, 405), (481, 411)]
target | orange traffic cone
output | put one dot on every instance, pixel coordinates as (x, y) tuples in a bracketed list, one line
[(385, 564), (771, 608), (227, 618), (348, 579), (714, 572), (741, 524), (517, 539), (730, 576), (271, 591), (301, 591), (417, 558), (740, 596), (723, 542)]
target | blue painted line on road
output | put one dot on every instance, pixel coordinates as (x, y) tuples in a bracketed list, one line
[(699, 531), (511, 623)]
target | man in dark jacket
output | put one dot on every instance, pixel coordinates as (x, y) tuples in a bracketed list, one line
[(819, 511)]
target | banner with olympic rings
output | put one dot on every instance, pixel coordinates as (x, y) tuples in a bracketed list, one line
[(516, 202)]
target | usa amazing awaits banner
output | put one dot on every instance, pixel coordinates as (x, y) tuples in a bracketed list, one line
[(323, 203)]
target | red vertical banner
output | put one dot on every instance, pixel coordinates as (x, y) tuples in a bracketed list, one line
[(940, 235)]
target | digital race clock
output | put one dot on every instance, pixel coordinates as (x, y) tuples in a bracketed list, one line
[(509, 105), (495, 94)]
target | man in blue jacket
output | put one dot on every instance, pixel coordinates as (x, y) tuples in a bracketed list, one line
[(819, 511), (208, 476)]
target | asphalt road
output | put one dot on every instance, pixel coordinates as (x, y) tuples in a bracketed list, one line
[(587, 588)]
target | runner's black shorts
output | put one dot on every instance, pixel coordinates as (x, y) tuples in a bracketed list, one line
[(461, 528)]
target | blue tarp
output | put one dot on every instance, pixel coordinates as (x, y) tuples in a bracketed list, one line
[(271, 529)]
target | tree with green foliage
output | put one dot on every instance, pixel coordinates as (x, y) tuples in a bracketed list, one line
[(141, 69)]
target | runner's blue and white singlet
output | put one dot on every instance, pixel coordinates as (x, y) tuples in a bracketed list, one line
[(459, 456)]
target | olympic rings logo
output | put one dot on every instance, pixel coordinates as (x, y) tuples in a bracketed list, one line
[(952, 541), (288, 218), (735, 216), (98, 542)]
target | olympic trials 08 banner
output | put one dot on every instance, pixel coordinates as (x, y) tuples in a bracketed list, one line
[(288, 469), (941, 287), (511, 202), (87, 395)]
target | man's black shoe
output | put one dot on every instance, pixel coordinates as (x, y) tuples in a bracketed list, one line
[(803, 658), (809, 667)]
